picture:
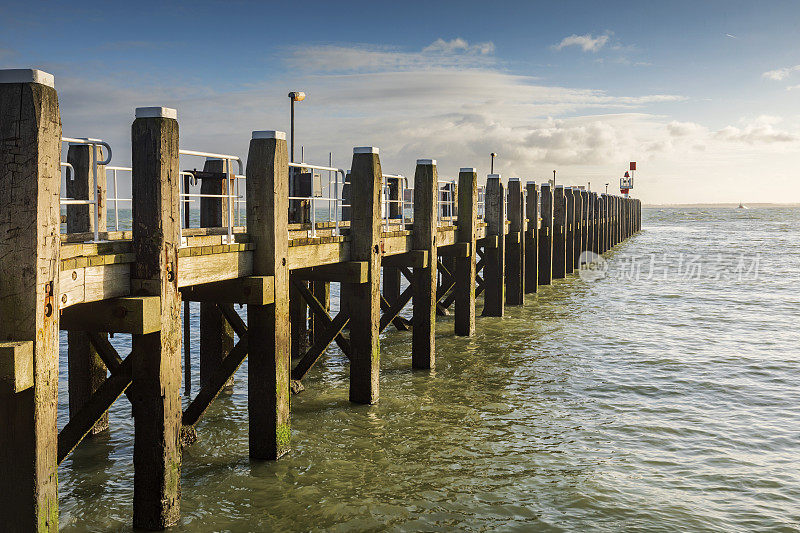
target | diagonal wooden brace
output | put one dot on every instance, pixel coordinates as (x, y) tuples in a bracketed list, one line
[(389, 315), (319, 310), (320, 345)]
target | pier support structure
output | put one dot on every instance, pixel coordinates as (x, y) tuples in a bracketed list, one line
[(465, 266), (155, 393), (494, 254), (30, 181), (546, 235), (569, 230), (532, 237), (515, 244), (423, 329), (559, 233)]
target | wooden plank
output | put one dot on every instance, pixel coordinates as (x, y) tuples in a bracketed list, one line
[(347, 272), (458, 249), (30, 177), (200, 269), (131, 314), (318, 254), (489, 241), (254, 290), (412, 258)]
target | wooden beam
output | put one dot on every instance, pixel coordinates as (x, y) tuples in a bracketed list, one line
[(412, 258), (515, 246), (320, 345), (490, 241), (16, 366), (531, 238), (216, 382), (348, 272), (131, 314), (399, 322), (391, 313), (254, 290), (494, 271), (424, 303), (458, 249), (466, 266)]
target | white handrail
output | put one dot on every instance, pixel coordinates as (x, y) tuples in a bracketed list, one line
[(336, 200), (94, 143)]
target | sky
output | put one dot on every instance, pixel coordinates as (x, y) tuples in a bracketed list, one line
[(703, 95)]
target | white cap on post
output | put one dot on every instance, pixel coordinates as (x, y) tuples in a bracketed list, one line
[(493, 176), (559, 186), (365, 150), (468, 169), (426, 161), (156, 112), (27, 75), (269, 134), (513, 179)]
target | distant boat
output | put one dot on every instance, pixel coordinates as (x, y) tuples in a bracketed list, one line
[(741, 206)]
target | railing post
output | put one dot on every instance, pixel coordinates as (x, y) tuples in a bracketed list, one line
[(30, 182), (157, 364), (559, 232), (515, 244), (362, 301), (426, 204), (546, 235), (494, 270), (569, 230), (532, 238), (465, 266), (86, 371), (216, 334), (268, 325)]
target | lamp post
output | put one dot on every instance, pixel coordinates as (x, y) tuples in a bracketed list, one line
[(554, 179), (294, 96), (606, 188), (493, 154)]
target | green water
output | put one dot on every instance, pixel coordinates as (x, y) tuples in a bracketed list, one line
[(664, 401)]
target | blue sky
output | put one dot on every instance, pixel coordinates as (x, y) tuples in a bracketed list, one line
[(701, 94)]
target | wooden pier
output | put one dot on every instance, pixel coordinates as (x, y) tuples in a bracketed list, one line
[(134, 282)]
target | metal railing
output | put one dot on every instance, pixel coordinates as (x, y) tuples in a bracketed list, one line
[(446, 198), (481, 202), (334, 202), (231, 182), (94, 198), (402, 187)]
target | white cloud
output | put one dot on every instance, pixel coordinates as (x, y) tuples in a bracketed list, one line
[(760, 131), (780, 73), (440, 46), (587, 42)]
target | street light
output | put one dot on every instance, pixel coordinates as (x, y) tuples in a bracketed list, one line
[(493, 154), (294, 96), (606, 188), (554, 179)]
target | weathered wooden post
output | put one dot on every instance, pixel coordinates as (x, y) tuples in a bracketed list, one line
[(532, 238), (515, 244), (216, 334), (584, 223), (465, 266), (604, 228), (268, 325), (423, 329), (155, 394), (30, 182), (577, 228), (86, 369), (597, 222), (590, 221), (494, 254), (559, 233), (362, 301), (569, 230), (546, 235)]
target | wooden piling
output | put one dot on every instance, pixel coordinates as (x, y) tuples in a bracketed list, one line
[(30, 151), (157, 356), (465, 266), (590, 221), (268, 334), (577, 228), (546, 235), (216, 334), (559, 233), (494, 271), (390, 277), (86, 370), (532, 238), (515, 244), (362, 301), (569, 230), (584, 224), (423, 342)]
